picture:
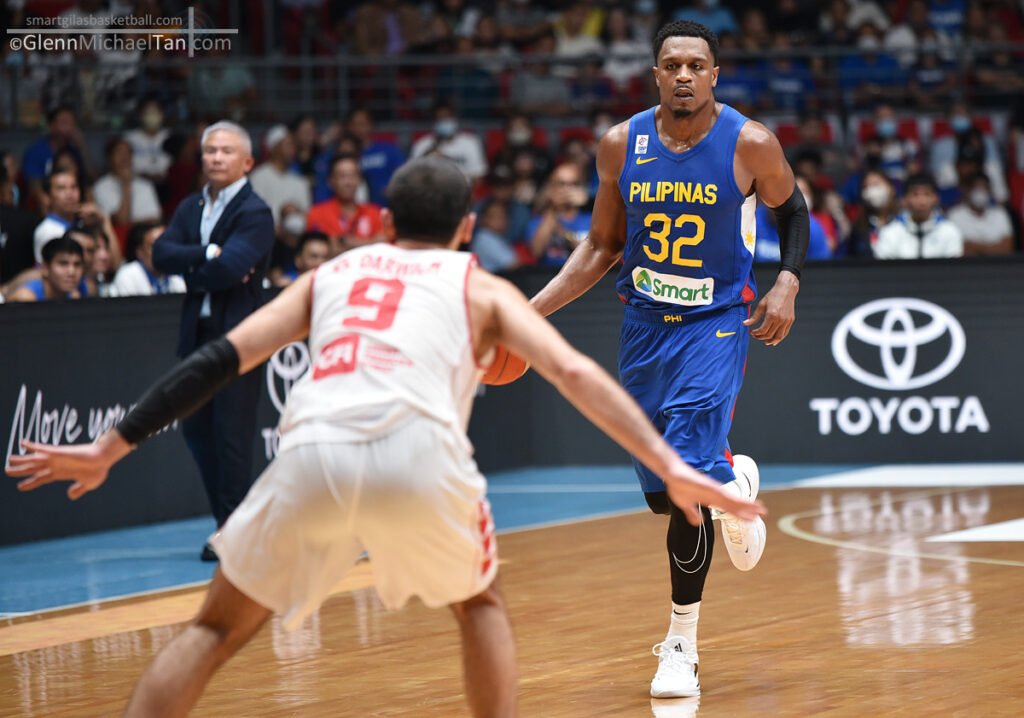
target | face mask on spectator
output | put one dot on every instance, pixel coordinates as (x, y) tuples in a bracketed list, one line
[(979, 198), (960, 123), (876, 195), (868, 42), (600, 128), (886, 128), (294, 223), (520, 136), (446, 127)]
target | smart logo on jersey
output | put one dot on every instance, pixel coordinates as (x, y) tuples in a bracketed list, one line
[(673, 289)]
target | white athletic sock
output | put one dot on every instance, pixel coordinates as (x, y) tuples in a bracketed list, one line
[(684, 621)]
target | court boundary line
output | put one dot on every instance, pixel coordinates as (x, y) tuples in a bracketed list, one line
[(787, 524)]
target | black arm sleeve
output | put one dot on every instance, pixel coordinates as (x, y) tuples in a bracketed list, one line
[(181, 391), (794, 224)]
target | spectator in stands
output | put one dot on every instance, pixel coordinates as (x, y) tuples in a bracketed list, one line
[(385, 27), (900, 155), (985, 225), (877, 205), (126, 197), (526, 178), (274, 181), (460, 18), (906, 40), (184, 171), (788, 83), (489, 239), (221, 87), (149, 159), (17, 226), (766, 249), (753, 34), (346, 222), (536, 91), (947, 16), (645, 19), (493, 52), (517, 215), (378, 158), (738, 85), (307, 148), (60, 273), (313, 249), (626, 57), (870, 76), (711, 13), (62, 132), (584, 156), (572, 42), (834, 27), (286, 243), (560, 223), (461, 146), (591, 90), (519, 139), (100, 272), (63, 198), (920, 231), (470, 87), (999, 81), (832, 161), (138, 277), (521, 22), (946, 150), (933, 80)]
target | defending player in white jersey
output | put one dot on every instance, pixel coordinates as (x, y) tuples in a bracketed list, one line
[(374, 452)]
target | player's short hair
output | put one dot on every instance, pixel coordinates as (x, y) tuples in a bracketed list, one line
[(428, 197), (311, 236), (920, 179), (686, 28), (228, 126), (64, 244)]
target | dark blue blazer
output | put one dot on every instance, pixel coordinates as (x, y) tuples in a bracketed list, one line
[(245, 234)]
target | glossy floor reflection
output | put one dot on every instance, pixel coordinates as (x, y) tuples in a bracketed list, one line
[(852, 612)]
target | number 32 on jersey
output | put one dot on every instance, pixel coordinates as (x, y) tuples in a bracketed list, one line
[(660, 226)]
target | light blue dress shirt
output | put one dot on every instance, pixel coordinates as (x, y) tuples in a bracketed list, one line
[(212, 211)]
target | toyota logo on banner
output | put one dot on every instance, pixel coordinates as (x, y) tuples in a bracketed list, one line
[(898, 328)]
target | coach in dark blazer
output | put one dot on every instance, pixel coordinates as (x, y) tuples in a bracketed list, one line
[(220, 241)]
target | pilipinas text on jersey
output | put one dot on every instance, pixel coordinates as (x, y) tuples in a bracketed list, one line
[(690, 231)]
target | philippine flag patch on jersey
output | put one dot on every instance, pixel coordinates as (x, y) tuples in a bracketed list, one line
[(641, 145)]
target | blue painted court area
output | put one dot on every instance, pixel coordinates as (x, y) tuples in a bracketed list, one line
[(94, 567)]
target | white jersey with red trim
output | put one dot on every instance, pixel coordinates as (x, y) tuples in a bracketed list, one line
[(389, 339)]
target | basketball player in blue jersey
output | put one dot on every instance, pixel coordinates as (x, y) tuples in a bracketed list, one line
[(678, 188)]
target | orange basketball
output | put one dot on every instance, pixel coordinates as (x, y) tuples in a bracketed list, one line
[(506, 367)]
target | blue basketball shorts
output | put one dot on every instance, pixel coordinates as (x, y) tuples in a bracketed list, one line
[(686, 377)]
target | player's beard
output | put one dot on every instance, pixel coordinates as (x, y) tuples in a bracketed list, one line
[(681, 112)]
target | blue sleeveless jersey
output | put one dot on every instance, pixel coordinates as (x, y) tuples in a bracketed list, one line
[(690, 231)]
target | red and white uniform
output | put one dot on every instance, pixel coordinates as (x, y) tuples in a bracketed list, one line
[(373, 453)]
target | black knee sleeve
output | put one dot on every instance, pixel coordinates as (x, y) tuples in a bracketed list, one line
[(689, 555), (658, 501)]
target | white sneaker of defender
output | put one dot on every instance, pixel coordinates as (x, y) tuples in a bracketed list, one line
[(677, 669), (743, 539)]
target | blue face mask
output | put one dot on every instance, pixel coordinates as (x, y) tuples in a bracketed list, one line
[(886, 128), (446, 128), (960, 124)]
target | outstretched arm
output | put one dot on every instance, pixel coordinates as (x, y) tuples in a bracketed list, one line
[(607, 236), (178, 393), (760, 160), (504, 316)]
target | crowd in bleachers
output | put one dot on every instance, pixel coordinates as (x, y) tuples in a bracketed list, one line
[(920, 154)]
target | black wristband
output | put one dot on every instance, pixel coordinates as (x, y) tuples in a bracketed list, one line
[(793, 221), (181, 391)]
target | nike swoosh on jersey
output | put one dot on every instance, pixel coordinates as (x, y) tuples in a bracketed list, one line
[(645, 161), (721, 334)]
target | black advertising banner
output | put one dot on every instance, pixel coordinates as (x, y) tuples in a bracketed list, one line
[(887, 362)]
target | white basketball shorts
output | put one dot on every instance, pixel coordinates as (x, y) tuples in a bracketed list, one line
[(413, 499)]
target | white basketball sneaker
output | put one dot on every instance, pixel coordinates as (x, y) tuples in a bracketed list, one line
[(743, 539), (677, 669)]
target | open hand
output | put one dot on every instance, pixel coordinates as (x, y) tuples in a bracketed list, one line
[(777, 310), (689, 493), (85, 465)]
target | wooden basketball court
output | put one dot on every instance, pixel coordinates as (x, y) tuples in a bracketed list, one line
[(851, 612)]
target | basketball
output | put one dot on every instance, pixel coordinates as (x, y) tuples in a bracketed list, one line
[(506, 367)]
